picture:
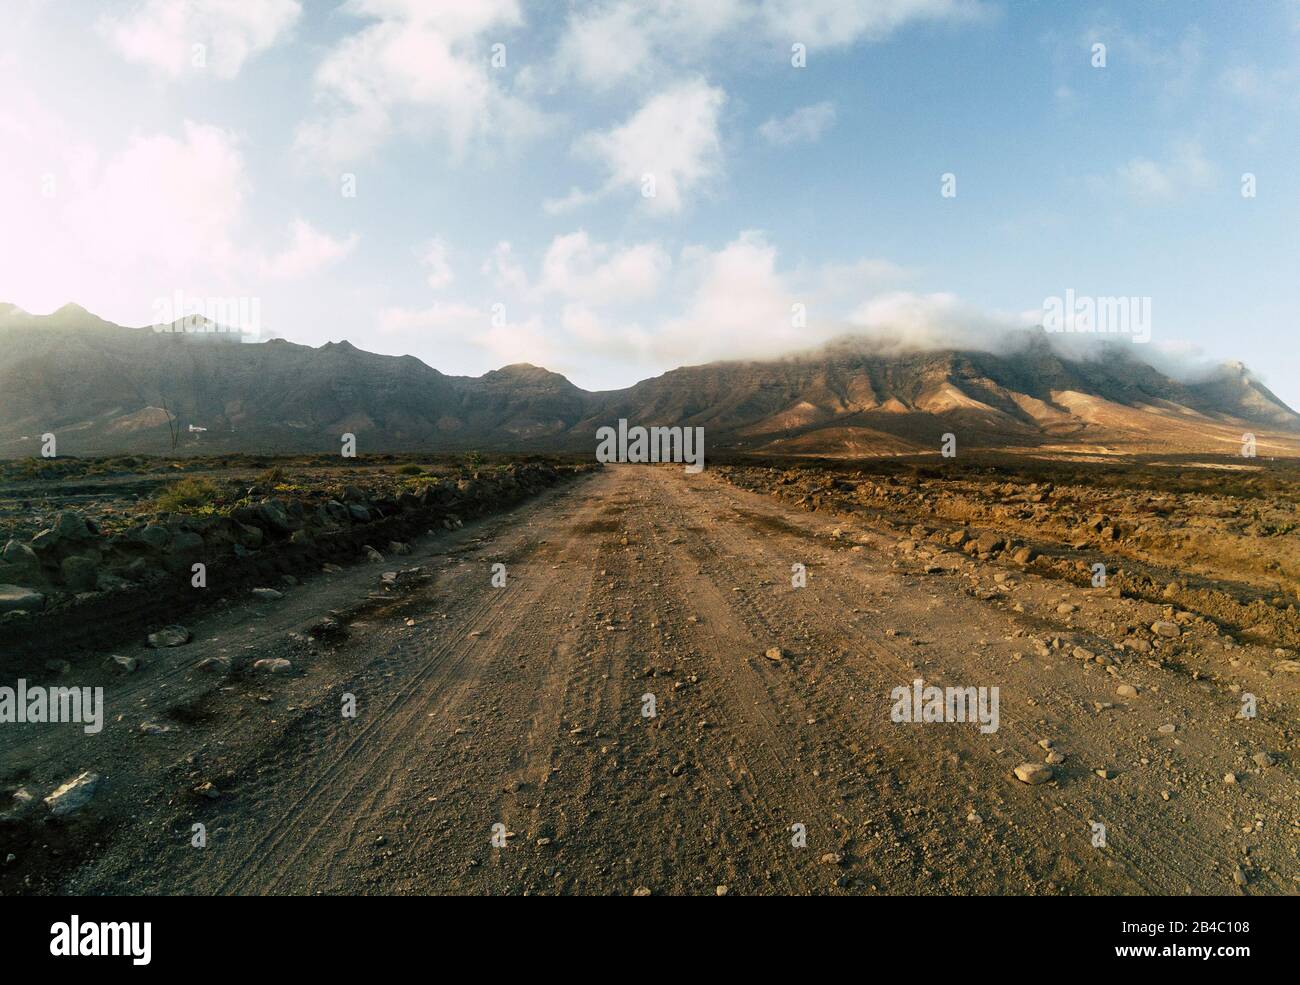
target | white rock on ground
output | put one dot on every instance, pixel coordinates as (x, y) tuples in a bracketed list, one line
[(73, 795)]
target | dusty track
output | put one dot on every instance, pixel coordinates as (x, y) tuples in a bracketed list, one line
[(523, 706)]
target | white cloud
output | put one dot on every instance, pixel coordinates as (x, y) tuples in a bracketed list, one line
[(434, 257), (829, 23), (595, 273), (605, 45), (672, 138), (740, 305), (804, 126), (1185, 169), (444, 327), (162, 33), (634, 310), (634, 41), (507, 273), (903, 320), (115, 231), (309, 252), (422, 64)]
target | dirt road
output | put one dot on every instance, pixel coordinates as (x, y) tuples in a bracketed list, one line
[(525, 706)]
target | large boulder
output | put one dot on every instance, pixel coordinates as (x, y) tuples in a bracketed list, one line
[(69, 526), (274, 515)]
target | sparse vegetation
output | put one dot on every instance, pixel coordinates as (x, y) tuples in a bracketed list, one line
[(271, 477), (189, 495)]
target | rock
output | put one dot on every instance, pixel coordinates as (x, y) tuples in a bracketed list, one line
[(1284, 667), (1239, 876), (1054, 758), (24, 802), (272, 665), (1082, 653), (79, 573), (832, 858), (1230, 779), (154, 728), (327, 628), (74, 795), (213, 665), (1167, 629), (1126, 691), (1264, 759), (274, 517), (119, 664), (69, 526), (1106, 774), (155, 536), (15, 597), (208, 789), (1167, 729), (17, 553), (641, 891), (774, 653), (169, 636), (248, 536), (1065, 608), (267, 594), (721, 891), (186, 543), (372, 554), (1034, 773), (397, 547)]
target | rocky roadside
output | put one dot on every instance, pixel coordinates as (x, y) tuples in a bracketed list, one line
[(73, 584), (1217, 558)]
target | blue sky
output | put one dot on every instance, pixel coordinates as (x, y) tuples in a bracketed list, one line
[(499, 213)]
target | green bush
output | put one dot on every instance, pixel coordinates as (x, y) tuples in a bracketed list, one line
[(187, 496)]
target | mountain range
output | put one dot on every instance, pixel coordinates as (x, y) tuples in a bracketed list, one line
[(104, 388)]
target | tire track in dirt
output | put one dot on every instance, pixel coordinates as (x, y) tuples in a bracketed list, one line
[(648, 581)]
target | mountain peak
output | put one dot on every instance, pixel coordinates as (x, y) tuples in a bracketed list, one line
[(525, 372)]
